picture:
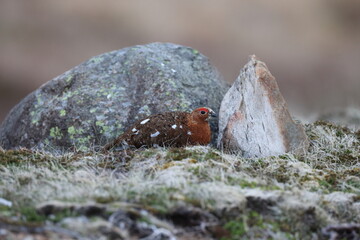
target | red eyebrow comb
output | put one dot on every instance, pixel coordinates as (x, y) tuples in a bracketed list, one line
[(203, 109)]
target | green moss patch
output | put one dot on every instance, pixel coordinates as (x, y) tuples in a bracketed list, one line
[(20, 156)]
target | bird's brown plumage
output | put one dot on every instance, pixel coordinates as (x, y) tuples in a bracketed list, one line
[(175, 129)]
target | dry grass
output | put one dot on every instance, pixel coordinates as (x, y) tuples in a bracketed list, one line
[(286, 196)]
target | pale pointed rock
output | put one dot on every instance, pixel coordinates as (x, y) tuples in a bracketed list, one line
[(254, 119)]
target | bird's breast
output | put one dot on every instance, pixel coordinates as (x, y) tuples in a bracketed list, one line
[(199, 133)]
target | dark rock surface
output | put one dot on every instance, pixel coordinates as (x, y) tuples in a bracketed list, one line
[(254, 119), (96, 101)]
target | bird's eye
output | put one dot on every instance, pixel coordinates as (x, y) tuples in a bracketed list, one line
[(202, 112)]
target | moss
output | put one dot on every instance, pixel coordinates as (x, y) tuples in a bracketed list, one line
[(353, 172), (235, 228), (241, 182), (331, 178), (259, 164), (346, 181), (253, 225), (255, 219), (25, 179), (178, 154), (195, 170), (29, 217), (116, 160), (59, 216), (330, 181), (250, 184), (306, 178), (193, 161), (24, 157), (353, 185), (29, 214), (106, 198), (347, 156), (281, 174), (284, 157), (167, 165), (212, 155), (340, 131), (20, 156), (159, 199), (148, 153), (5, 211), (22, 223)]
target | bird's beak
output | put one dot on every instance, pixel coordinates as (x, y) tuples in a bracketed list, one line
[(212, 113)]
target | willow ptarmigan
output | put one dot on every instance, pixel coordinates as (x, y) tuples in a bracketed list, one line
[(175, 129)]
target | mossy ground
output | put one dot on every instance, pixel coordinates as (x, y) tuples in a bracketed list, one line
[(283, 197)]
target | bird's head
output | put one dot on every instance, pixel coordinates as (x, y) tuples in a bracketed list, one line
[(203, 114)]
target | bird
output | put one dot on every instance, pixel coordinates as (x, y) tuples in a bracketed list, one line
[(168, 129)]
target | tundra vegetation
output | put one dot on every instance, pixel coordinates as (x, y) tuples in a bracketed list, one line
[(185, 193)]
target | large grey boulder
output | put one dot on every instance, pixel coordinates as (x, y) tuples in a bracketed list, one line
[(96, 101), (253, 118)]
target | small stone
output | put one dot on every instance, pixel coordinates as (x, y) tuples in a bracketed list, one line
[(254, 119), (3, 232), (174, 126), (5, 202)]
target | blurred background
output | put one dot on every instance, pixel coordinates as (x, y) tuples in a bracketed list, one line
[(312, 47)]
